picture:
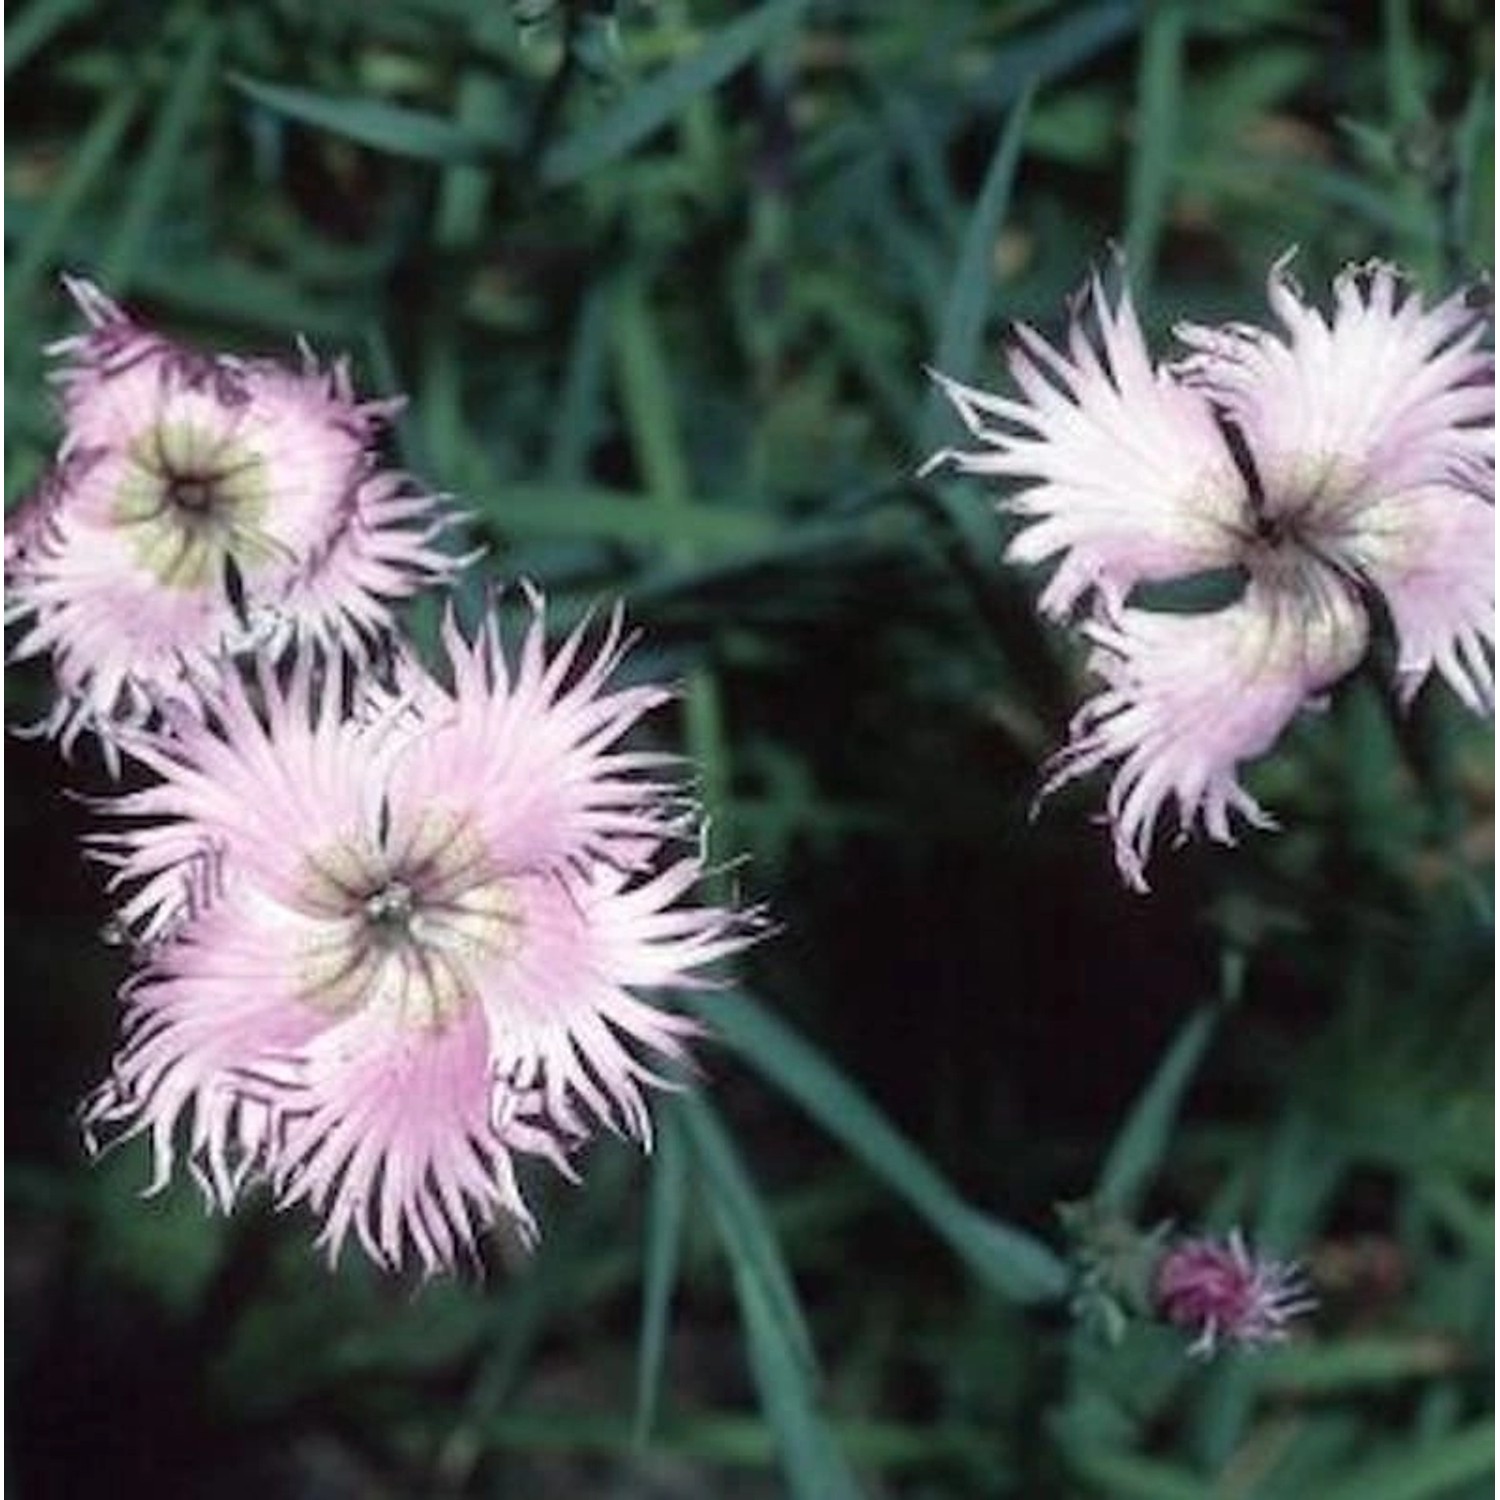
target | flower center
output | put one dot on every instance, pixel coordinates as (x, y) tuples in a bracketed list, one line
[(410, 933), (1303, 506), (194, 493), (192, 501), (1277, 551), (390, 912), (1271, 531)]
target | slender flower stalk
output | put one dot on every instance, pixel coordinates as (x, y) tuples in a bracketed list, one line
[(202, 507), (393, 945), (1335, 462)]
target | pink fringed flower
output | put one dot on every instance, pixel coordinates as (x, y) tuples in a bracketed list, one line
[(390, 949), (1222, 1294), (1343, 455), (204, 506)]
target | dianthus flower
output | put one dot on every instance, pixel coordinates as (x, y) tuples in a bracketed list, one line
[(389, 949), (202, 506), (1221, 1293), (1328, 464)]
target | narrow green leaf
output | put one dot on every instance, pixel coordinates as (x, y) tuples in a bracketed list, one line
[(392, 128), (158, 169), (582, 395), (481, 109), (1444, 1197), (89, 164), (1342, 190), (1427, 1473), (241, 293), (645, 390), (1078, 35), (708, 741), (1413, 139), (518, 1313), (385, 377), (36, 25), (1194, 594), (920, 141), (814, 1467), (1125, 1476), (1317, 1442), (1472, 207), (645, 109), (1300, 1171), (1143, 1140), (664, 1223), (1348, 1364), (542, 509), (1405, 96), (445, 439), (741, 1441), (1157, 110), (1014, 1263), (872, 338), (743, 1226), (962, 326), (1219, 1419)]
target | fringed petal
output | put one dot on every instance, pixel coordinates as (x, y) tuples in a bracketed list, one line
[(1188, 698), (1130, 478), (1386, 396)]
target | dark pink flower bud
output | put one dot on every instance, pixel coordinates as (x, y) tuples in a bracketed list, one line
[(1221, 1293)]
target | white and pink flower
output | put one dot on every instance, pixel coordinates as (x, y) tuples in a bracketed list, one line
[(202, 507), (394, 944), (1341, 458)]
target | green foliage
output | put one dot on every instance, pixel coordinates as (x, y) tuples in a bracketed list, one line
[(661, 281)]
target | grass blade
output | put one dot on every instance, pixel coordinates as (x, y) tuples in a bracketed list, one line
[(393, 128), (647, 108), (95, 153), (814, 1467), (588, 512), (27, 33), (159, 165), (1143, 1140), (241, 293), (1126, 1476), (962, 326), (1356, 1363), (1068, 43), (1405, 96), (1158, 97), (743, 1225), (481, 109), (1430, 1472), (581, 397), (645, 390), (664, 1224), (1015, 1264), (1471, 215), (782, 1361)]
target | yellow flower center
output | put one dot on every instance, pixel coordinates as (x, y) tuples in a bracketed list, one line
[(193, 500), (404, 926)]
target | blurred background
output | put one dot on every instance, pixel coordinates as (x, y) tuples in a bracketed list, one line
[(660, 280)]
